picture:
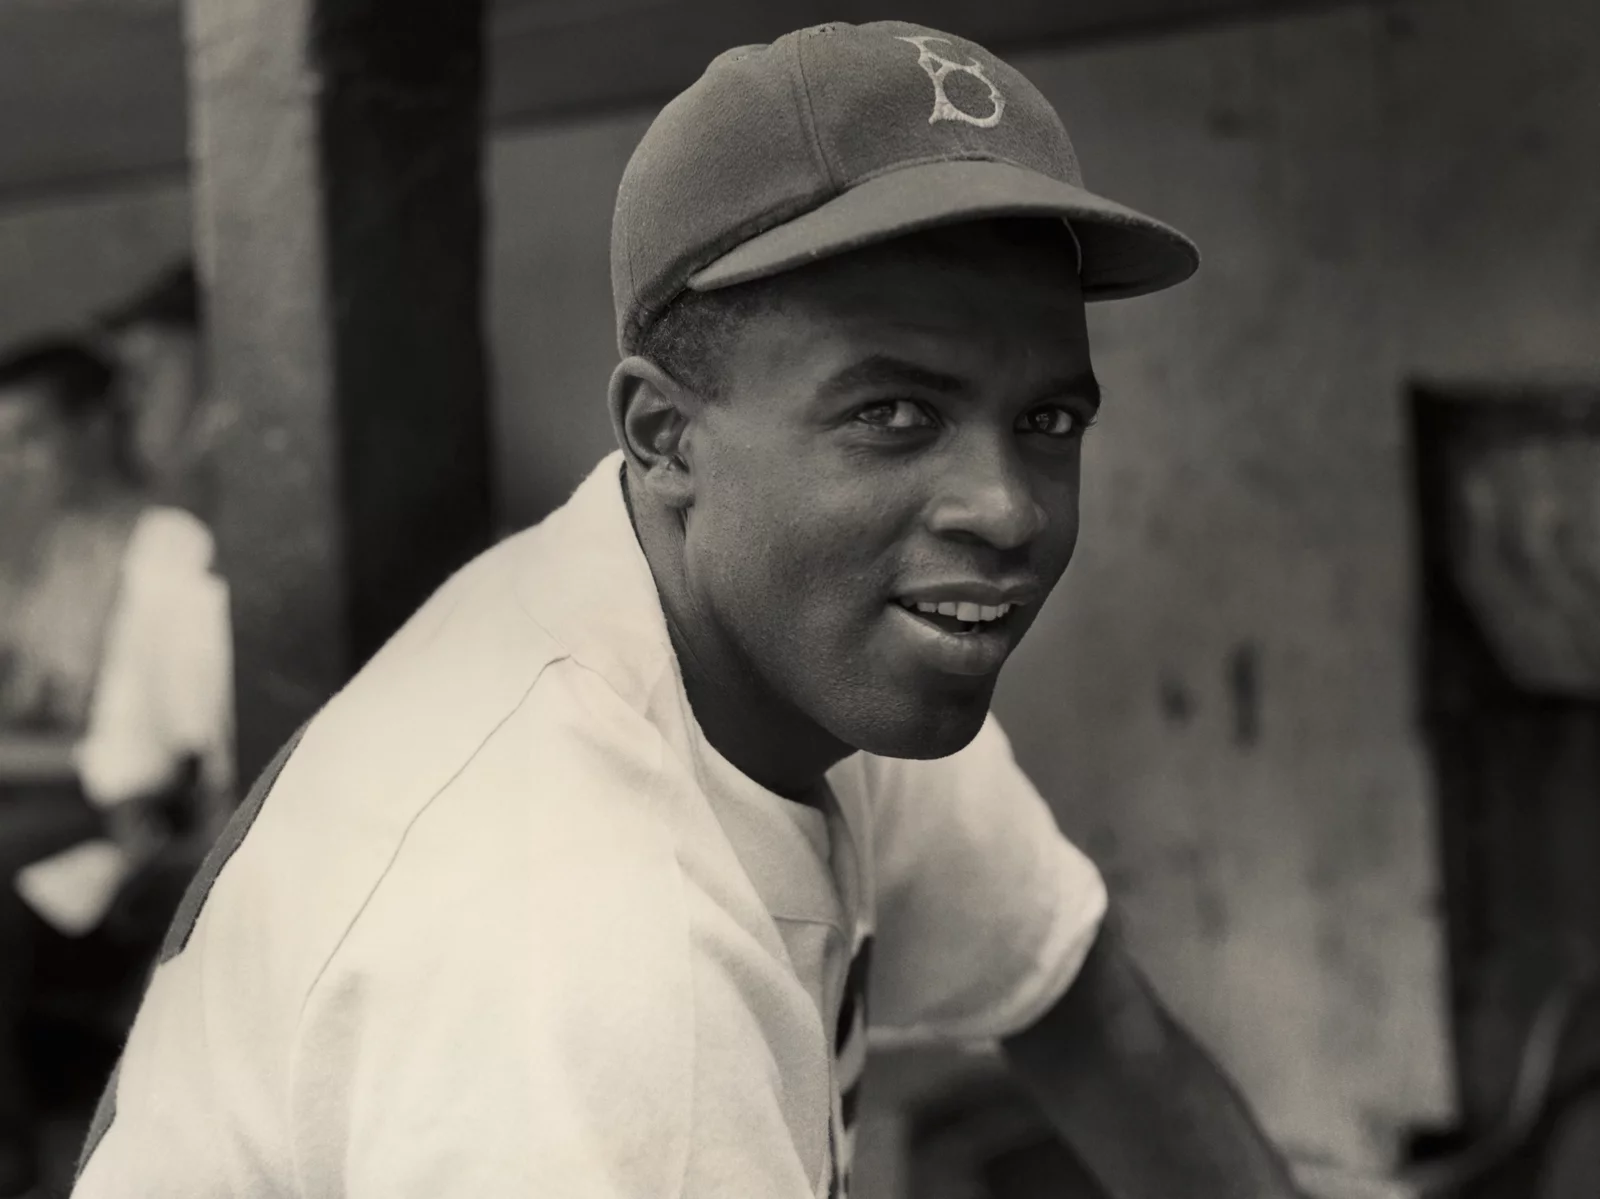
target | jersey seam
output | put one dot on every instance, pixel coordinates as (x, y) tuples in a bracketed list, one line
[(835, 925), (581, 661), (377, 883)]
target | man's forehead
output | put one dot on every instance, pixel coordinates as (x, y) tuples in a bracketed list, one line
[(882, 371), (967, 300), (844, 358)]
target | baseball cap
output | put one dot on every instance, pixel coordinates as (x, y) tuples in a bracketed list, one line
[(840, 136)]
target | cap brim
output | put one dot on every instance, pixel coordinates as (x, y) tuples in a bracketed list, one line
[(1125, 253)]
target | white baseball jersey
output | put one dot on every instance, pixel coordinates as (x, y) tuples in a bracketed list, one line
[(504, 924)]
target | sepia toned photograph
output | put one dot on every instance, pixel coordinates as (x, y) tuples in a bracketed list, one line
[(714, 599)]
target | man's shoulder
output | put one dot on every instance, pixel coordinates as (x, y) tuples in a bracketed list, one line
[(374, 756), (558, 832), (505, 786), (474, 703), (569, 754), (480, 666)]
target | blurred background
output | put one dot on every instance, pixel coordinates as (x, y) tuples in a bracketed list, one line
[(1320, 693)]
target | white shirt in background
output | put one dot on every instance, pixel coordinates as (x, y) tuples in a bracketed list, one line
[(163, 696)]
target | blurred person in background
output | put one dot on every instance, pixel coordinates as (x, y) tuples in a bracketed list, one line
[(154, 335), (115, 684)]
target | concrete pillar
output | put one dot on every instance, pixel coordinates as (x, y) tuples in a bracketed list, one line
[(337, 154)]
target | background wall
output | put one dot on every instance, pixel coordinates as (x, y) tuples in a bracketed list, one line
[(1230, 663), (62, 262), (1219, 701)]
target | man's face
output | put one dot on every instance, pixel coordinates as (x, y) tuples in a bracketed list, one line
[(161, 376), (35, 449), (887, 488)]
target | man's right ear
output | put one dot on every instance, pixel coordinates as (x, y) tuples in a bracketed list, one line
[(651, 415)]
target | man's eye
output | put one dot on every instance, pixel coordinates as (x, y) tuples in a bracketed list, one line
[(1054, 421), (895, 415)]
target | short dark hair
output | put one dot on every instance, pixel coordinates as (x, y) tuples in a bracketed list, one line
[(80, 383), (171, 300), (690, 338), (78, 379)]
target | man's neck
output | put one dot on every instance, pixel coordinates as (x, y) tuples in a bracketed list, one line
[(761, 734)]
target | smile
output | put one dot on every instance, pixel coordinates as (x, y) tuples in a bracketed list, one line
[(955, 637), (960, 618)]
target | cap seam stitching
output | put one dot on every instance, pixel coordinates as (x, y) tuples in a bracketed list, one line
[(821, 154), (633, 270)]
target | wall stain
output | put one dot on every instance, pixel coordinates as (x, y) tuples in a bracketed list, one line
[(1229, 122), (1177, 701), (1193, 863), (1244, 686)]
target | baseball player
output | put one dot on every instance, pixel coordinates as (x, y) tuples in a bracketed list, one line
[(592, 881)]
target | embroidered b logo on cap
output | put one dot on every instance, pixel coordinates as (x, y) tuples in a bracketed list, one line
[(938, 68)]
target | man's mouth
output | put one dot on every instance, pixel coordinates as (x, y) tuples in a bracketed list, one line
[(960, 618)]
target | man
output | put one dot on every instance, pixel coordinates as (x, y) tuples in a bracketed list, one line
[(114, 687), (589, 884), (155, 337)]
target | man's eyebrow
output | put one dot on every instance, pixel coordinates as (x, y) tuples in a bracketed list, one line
[(884, 370)]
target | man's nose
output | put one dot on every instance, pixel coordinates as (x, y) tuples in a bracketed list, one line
[(984, 493)]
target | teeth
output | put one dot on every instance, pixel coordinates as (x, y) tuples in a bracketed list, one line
[(969, 613)]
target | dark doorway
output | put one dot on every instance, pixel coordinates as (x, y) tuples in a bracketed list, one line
[(1508, 494)]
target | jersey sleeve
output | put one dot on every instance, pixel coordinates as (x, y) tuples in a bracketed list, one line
[(164, 692), (984, 910), (511, 1014)]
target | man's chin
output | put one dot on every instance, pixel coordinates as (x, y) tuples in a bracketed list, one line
[(924, 730)]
